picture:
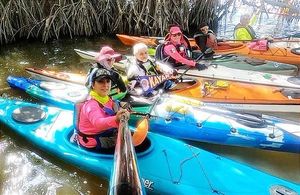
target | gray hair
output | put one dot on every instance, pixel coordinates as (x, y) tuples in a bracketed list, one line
[(139, 46)]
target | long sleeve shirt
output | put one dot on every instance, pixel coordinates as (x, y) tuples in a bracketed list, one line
[(93, 120), (171, 51)]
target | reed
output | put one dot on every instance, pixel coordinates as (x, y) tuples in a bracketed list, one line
[(51, 19)]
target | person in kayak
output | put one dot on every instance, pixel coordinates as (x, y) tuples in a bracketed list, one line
[(205, 39), (106, 59), (142, 65), (176, 50), (244, 30), (99, 115)]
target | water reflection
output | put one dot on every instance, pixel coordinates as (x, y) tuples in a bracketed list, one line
[(25, 172)]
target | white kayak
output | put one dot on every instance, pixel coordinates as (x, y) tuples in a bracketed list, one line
[(247, 76), (90, 55)]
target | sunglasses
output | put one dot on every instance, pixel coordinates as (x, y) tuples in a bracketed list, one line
[(176, 35)]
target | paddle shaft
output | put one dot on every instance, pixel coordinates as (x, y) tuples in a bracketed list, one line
[(125, 175)]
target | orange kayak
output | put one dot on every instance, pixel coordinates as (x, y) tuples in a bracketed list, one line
[(233, 95), (273, 53)]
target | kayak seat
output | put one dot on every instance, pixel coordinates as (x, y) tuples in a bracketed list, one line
[(143, 147), (295, 80), (28, 114), (296, 51)]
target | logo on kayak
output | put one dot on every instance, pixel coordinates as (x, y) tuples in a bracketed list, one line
[(149, 83), (148, 184)]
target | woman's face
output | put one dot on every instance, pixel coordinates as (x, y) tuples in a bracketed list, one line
[(142, 55), (110, 61), (175, 38), (204, 29), (102, 87)]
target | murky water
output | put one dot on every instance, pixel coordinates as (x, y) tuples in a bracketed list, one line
[(26, 170)]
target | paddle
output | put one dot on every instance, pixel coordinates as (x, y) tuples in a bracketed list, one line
[(253, 40), (125, 175)]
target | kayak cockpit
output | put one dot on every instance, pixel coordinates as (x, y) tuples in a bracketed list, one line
[(145, 146)]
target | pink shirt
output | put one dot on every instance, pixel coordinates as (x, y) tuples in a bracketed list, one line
[(93, 120), (171, 51)]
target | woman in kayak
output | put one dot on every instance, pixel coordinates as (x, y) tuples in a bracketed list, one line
[(176, 50), (99, 116), (206, 38), (106, 59), (141, 66)]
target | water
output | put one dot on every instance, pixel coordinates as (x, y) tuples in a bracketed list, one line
[(26, 170)]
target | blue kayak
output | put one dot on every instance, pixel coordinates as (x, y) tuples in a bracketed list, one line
[(59, 94), (185, 118), (167, 166)]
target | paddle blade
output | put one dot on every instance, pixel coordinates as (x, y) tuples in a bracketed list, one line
[(141, 132)]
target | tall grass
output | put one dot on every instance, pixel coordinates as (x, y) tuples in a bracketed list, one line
[(48, 19)]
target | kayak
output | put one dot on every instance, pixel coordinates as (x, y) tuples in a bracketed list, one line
[(228, 60), (62, 77), (60, 94), (272, 52), (89, 55), (221, 72), (189, 119), (167, 166), (245, 97), (70, 78), (229, 94)]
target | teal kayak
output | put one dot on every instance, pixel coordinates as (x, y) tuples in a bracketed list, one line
[(185, 118), (167, 166)]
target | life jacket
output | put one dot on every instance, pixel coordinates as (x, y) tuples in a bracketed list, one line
[(184, 49), (107, 133), (203, 42), (248, 28)]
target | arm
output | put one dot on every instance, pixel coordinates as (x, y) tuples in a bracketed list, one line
[(131, 73), (119, 81), (172, 52)]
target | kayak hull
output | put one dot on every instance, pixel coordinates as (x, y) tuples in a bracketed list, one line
[(189, 119), (253, 77), (238, 96), (166, 166), (230, 61), (273, 53)]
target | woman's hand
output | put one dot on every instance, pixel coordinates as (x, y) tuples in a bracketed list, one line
[(121, 113)]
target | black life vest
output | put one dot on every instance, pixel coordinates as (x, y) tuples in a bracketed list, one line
[(160, 55)]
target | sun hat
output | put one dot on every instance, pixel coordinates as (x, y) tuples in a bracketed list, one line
[(175, 30), (107, 52), (96, 74)]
